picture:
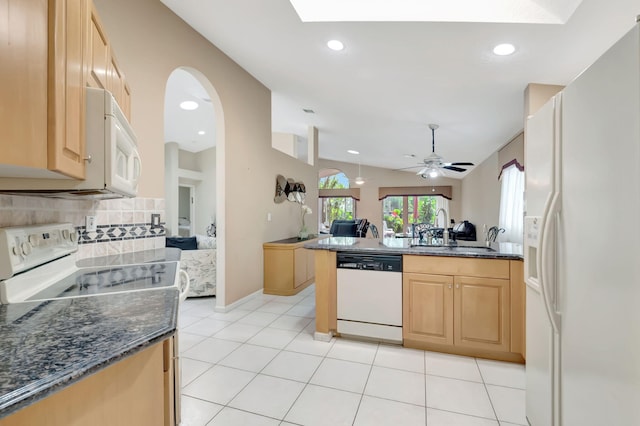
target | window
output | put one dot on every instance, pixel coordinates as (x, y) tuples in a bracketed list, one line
[(399, 212), (511, 204), (341, 207)]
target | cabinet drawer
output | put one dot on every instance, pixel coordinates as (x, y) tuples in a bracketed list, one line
[(460, 266)]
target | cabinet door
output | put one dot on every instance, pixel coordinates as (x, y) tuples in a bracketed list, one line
[(98, 55), (23, 91), (311, 264), (66, 142), (428, 308), (115, 79), (300, 266), (481, 307)]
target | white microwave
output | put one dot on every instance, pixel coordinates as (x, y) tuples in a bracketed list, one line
[(113, 165)]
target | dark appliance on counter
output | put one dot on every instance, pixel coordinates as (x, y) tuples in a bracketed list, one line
[(464, 231)]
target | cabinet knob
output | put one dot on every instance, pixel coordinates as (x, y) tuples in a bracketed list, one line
[(449, 285), (88, 158), (457, 285)]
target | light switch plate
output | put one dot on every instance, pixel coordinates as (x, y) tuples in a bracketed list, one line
[(90, 223), (155, 220)]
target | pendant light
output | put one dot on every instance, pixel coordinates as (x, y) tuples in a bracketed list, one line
[(359, 180)]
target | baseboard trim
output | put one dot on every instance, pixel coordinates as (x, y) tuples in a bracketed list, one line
[(232, 306)]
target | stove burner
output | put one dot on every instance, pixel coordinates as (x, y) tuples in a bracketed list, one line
[(91, 281)]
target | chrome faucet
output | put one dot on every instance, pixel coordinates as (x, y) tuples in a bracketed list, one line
[(445, 233)]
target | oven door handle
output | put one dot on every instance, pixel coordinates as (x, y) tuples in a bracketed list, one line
[(184, 283)]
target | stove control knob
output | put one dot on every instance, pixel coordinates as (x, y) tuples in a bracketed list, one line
[(33, 240), (65, 234), (16, 251), (26, 248), (73, 236)]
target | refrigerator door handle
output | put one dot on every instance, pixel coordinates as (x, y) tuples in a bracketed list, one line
[(546, 260)]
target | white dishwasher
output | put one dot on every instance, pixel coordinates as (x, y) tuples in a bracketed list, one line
[(369, 296)]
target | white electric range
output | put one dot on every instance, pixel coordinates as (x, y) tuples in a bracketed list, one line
[(38, 263)]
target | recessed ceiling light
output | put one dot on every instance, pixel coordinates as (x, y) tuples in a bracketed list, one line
[(201, 132), (189, 105), (504, 49), (335, 45), (352, 151)]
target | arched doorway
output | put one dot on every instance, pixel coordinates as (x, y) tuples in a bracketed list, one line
[(194, 157)]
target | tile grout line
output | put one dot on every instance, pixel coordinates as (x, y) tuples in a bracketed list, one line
[(424, 363), (258, 373), (251, 381), (365, 384), (487, 391)]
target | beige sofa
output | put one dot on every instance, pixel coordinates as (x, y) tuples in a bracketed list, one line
[(201, 266)]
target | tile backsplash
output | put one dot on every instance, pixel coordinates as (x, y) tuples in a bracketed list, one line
[(123, 225)]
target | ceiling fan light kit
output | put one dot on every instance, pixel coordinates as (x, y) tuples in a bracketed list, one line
[(433, 166)]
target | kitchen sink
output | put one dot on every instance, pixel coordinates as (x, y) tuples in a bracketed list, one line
[(456, 249)]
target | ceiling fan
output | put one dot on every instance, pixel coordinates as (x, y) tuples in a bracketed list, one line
[(434, 166)]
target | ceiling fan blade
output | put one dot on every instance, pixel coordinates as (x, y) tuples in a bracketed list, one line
[(455, 169), (459, 164), (407, 168)]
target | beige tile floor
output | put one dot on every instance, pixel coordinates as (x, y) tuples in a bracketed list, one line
[(259, 365)]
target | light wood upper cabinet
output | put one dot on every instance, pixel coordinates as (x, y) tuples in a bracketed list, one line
[(23, 82), (66, 84), (102, 67), (481, 307), (50, 50), (98, 52), (428, 308)]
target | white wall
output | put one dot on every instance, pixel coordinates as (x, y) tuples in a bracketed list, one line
[(206, 190), (481, 195), (150, 42)]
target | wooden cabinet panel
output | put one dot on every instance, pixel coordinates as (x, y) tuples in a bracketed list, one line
[(125, 105), (288, 267), (311, 264), (326, 291), (98, 56), (130, 392), (67, 20), (518, 308), (481, 312), (23, 73), (300, 261), (278, 270), (428, 308), (463, 266), (115, 81)]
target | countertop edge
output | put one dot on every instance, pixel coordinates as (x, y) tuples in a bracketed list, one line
[(57, 384), (412, 251)]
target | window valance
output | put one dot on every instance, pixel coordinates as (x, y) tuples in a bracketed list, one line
[(337, 193), (393, 191)]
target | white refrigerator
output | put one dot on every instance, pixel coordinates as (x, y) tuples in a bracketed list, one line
[(582, 247)]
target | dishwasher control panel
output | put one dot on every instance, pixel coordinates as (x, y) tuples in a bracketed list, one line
[(370, 262)]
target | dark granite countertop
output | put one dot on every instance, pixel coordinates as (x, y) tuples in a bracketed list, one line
[(403, 246), (47, 346), (166, 254)]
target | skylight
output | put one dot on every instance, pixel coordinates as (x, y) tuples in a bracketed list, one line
[(505, 11)]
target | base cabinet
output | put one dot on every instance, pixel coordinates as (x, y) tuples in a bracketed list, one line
[(130, 392), (288, 266), (428, 308), (461, 305), (481, 313)]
